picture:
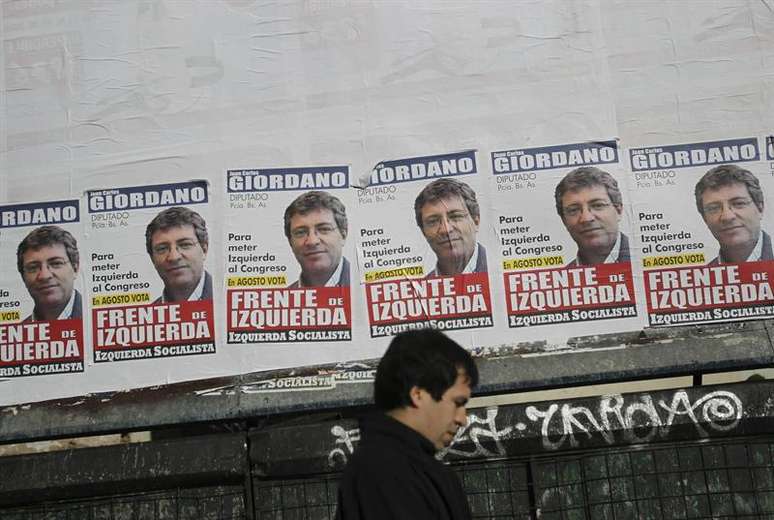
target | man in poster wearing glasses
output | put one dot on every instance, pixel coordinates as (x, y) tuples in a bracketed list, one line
[(177, 241), (730, 201), (447, 212), (48, 262), (589, 203), (316, 228)]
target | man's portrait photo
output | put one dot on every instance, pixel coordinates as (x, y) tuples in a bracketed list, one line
[(447, 212), (48, 262), (177, 241), (316, 229), (730, 201), (590, 205)]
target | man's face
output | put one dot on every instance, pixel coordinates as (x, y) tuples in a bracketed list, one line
[(450, 230), (316, 242), (441, 419), (178, 257), (591, 218), (49, 276), (731, 215)]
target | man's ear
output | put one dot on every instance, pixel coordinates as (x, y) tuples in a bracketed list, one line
[(415, 394)]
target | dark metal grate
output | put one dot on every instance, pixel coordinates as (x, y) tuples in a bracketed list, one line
[(698, 481), (297, 499), (211, 503), (713, 479), (704, 480), (497, 489)]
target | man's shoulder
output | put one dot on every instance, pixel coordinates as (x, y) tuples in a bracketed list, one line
[(481, 264), (207, 289), (624, 254), (392, 455), (766, 249), (77, 311), (344, 279), (389, 454), (381, 483), (393, 466)]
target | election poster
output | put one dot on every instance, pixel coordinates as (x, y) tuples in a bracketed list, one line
[(41, 307), (561, 218), (287, 256), (150, 288), (704, 223), (422, 263)]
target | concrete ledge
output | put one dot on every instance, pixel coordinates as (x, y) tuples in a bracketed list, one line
[(211, 459), (517, 367)]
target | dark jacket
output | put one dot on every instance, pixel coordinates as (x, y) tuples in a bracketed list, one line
[(623, 252), (766, 251), (481, 266), (394, 475)]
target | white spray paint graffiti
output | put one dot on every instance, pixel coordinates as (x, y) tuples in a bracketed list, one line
[(477, 430), (636, 421), (474, 432), (344, 437), (641, 421)]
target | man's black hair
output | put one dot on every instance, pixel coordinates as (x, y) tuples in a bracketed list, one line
[(587, 177), (176, 217), (445, 188), (315, 200), (727, 175), (426, 358), (48, 236)]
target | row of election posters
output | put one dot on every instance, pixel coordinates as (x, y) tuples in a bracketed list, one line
[(494, 247)]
